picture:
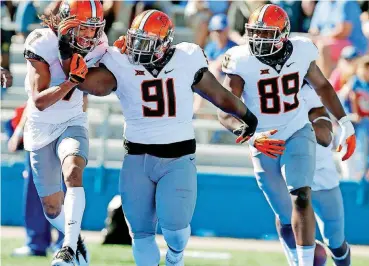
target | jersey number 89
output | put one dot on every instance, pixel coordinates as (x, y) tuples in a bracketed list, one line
[(290, 86)]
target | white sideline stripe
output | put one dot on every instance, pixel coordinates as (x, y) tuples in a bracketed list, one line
[(202, 254)]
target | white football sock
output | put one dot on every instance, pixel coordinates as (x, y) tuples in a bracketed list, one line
[(59, 221), (305, 255), (74, 203), (291, 254)]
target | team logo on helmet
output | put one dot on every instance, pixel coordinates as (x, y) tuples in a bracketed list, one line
[(93, 20)]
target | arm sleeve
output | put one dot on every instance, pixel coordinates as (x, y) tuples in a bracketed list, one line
[(199, 62), (230, 62), (310, 50), (107, 61), (93, 57)]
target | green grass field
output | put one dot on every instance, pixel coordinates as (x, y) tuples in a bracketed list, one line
[(112, 255)]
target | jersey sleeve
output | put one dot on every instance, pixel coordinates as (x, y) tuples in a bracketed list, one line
[(308, 49), (93, 57), (199, 59), (310, 97), (38, 47), (231, 62)]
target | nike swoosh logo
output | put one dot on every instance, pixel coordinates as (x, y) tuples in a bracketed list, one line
[(191, 159), (88, 60), (288, 65), (166, 72)]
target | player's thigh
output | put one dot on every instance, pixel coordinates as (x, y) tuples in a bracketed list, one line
[(328, 208), (138, 196), (176, 192), (298, 161), (73, 142), (46, 169), (270, 180)]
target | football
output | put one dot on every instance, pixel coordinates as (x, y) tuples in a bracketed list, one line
[(320, 255)]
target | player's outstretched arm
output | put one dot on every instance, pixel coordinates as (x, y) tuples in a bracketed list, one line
[(322, 125), (234, 84), (42, 95), (99, 81), (261, 141), (209, 88), (330, 100)]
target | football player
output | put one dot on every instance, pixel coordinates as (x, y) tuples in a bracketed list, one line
[(326, 194), (154, 81), (268, 73), (56, 130)]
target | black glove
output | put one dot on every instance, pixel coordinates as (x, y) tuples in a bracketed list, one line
[(247, 130)]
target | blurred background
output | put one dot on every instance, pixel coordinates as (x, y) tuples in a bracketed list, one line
[(229, 201)]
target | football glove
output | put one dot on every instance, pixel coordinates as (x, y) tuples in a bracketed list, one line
[(347, 137), (121, 44), (78, 69), (64, 36), (247, 129), (269, 147)]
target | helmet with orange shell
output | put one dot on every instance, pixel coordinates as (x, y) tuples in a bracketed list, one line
[(267, 30), (149, 37), (90, 13)]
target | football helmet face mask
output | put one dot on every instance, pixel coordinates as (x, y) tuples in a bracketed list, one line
[(149, 38), (87, 35), (267, 30)]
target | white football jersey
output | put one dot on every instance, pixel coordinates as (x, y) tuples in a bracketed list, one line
[(45, 126), (157, 110), (274, 97), (326, 175)]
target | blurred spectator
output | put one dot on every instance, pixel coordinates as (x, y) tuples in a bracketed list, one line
[(335, 25), (198, 13), (26, 15), (7, 13), (219, 44), (238, 15), (365, 17), (357, 90), (111, 13), (294, 11), (139, 7), (308, 7), (345, 69)]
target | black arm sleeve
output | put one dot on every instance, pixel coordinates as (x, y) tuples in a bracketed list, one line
[(31, 55)]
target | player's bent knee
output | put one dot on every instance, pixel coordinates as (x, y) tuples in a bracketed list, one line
[(302, 197), (52, 206), (146, 251), (73, 175), (177, 240)]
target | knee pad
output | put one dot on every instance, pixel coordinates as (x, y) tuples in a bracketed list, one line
[(146, 251), (177, 240), (302, 200)]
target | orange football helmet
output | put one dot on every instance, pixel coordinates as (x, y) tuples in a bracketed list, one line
[(91, 15), (149, 37), (268, 28)]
